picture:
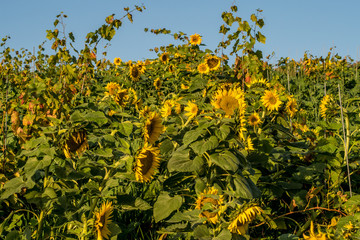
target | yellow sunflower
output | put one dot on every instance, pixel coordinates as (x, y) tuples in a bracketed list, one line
[(313, 236), (254, 119), (271, 100), (324, 105), (141, 66), (153, 128), (122, 97), (240, 224), (213, 62), (195, 39), (112, 88), (103, 221), (147, 162), (249, 146), (157, 83), (212, 206), (164, 57), (76, 143), (166, 108), (134, 72), (203, 68), (191, 109), (228, 100), (291, 106), (117, 61)]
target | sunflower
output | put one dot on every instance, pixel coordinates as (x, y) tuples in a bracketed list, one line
[(117, 61), (191, 109), (271, 100), (122, 97), (213, 62), (240, 224), (254, 119), (157, 83), (167, 108), (324, 105), (203, 68), (76, 143), (141, 66), (134, 72), (147, 162), (212, 205), (291, 106), (249, 145), (195, 39), (164, 57), (112, 88), (153, 127), (313, 235), (103, 221), (228, 100)]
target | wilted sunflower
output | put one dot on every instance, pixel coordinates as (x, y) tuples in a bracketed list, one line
[(191, 109), (254, 119), (203, 68), (195, 39), (240, 224), (164, 57), (213, 62), (112, 88), (291, 106), (313, 235), (147, 162), (153, 128), (103, 221), (76, 143), (212, 205), (271, 100), (135, 72), (228, 100), (117, 61)]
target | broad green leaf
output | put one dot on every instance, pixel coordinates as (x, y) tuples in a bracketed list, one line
[(225, 234), (222, 132), (13, 186), (126, 128), (205, 145), (226, 160), (202, 232), (97, 117), (165, 205)]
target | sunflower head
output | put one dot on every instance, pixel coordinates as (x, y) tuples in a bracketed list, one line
[(122, 97), (157, 83), (240, 223), (328, 108), (164, 57), (291, 106), (134, 72), (103, 221), (147, 162), (195, 39), (213, 62), (271, 100), (112, 88), (203, 68), (313, 236), (228, 100), (191, 109), (153, 127), (76, 143), (211, 204), (117, 61), (254, 119)]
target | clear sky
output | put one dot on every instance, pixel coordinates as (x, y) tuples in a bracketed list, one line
[(291, 27)]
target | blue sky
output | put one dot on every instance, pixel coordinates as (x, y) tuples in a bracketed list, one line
[(291, 27)]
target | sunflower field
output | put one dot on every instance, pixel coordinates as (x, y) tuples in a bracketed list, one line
[(182, 146)]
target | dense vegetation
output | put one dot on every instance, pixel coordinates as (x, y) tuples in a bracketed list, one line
[(183, 146)]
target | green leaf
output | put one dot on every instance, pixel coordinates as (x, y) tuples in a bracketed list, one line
[(165, 205), (202, 232), (97, 117), (226, 160), (203, 146), (192, 135), (243, 187), (181, 162), (107, 152), (222, 132), (13, 186), (225, 234), (288, 236), (126, 128)]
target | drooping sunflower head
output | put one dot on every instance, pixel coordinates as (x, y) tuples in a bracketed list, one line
[(195, 39), (157, 83), (141, 66), (313, 236), (76, 143), (147, 162), (228, 100), (291, 106), (134, 72), (164, 57), (191, 109), (241, 223), (254, 119), (153, 128), (328, 107), (117, 61), (203, 68), (122, 97), (211, 204), (103, 221), (271, 100), (213, 62), (112, 88)]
